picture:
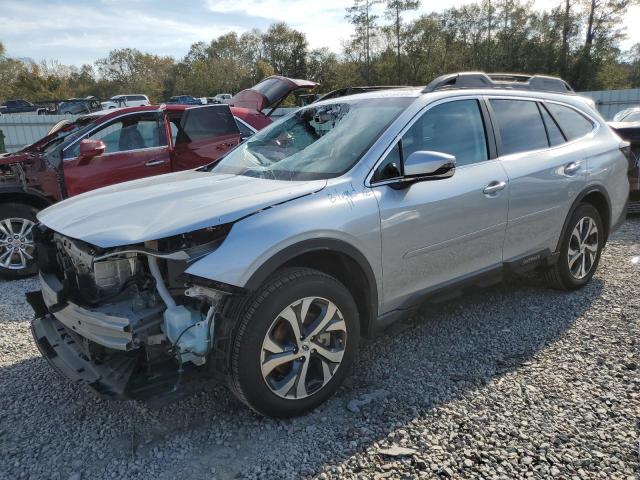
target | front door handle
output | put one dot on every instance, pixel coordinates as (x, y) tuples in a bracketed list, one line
[(572, 168), (494, 187), (155, 163), (224, 146)]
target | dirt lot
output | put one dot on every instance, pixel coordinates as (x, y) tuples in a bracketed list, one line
[(513, 381)]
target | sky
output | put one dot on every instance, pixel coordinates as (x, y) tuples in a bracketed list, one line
[(77, 32)]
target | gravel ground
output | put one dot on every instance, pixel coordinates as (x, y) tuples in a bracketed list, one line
[(511, 382)]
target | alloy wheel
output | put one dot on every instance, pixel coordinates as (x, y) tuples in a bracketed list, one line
[(16, 243), (303, 348), (583, 248)]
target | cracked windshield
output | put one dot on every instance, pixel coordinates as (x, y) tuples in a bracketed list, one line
[(314, 143)]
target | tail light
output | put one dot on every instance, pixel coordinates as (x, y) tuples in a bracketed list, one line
[(626, 150)]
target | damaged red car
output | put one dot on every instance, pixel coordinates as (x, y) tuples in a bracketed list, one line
[(104, 148)]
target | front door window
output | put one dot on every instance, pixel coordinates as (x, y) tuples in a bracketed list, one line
[(132, 132)]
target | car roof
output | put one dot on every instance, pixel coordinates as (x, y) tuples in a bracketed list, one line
[(417, 92), (104, 115), (396, 92)]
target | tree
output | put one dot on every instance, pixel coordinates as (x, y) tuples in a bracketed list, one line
[(10, 70), (362, 18), (322, 67), (568, 24), (424, 42), (131, 70), (601, 36), (286, 50), (632, 61), (579, 39), (603, 18), (394, 10)]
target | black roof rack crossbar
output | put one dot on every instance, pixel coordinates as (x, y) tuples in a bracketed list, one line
[(515, 81)]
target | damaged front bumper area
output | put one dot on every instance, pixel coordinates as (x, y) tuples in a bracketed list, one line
[(127, 323), (63, 351)]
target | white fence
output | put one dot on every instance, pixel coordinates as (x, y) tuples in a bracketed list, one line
[(610, 102), (23, 129)]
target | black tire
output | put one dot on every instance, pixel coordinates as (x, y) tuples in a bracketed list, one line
[(560, 276), (18, 211), (256, 320)]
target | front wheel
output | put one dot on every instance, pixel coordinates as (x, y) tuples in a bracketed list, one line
[(17, 249), (295, 343), (580, 250)]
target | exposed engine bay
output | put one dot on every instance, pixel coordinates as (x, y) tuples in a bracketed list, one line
[(126, 311), (31, 175)]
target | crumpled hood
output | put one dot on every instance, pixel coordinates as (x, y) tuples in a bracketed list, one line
[(9, 158), (166, 205)]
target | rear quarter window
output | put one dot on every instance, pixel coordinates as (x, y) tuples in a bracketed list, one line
[(573, 124)]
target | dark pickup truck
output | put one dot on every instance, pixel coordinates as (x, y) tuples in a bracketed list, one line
[(21, 106)]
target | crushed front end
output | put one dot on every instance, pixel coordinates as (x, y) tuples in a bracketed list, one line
[(126, 321)]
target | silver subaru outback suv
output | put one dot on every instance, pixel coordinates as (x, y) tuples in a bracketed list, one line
[(265, 269)]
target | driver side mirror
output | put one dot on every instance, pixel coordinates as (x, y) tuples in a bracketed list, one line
[(426, 164), (90, 149)]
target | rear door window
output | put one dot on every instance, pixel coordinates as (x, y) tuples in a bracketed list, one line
[(573, 124), (520, 125), (203, 122)]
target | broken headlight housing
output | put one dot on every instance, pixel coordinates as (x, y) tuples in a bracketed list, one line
[(195, 244)]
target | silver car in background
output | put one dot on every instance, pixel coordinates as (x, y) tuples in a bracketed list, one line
[(266, 268)]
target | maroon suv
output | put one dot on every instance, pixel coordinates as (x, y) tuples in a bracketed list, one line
[(101, 149)]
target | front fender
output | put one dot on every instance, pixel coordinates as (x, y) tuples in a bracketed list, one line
[(336, 216)]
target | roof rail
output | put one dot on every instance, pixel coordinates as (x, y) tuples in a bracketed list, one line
[(515, 81)]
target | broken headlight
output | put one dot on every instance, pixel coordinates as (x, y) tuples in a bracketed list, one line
[(197, 243)]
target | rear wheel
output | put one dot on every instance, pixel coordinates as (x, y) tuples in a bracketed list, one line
[(295, 343), (580, 250), (17, 249)]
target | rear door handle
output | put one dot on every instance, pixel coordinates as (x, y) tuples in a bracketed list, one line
[(494, 187), (572, 168), (154, 163)]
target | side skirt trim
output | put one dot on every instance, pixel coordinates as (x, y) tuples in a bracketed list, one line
[(466, 284)]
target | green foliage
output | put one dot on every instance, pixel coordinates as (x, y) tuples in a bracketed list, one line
[(393, 12), (579, 40), (130, 70)]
